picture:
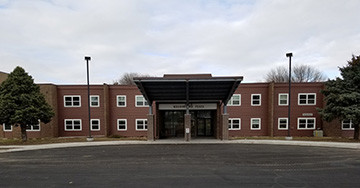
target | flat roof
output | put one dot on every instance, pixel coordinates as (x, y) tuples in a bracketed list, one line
[(184, 88)]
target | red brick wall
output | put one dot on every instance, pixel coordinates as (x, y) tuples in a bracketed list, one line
[(130, 112), (246, 111), (297, 111), (80, 112)]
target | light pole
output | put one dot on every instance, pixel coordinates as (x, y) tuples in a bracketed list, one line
[(289, 55), (87, 59)]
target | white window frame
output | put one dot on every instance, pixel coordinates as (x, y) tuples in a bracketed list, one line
[(252, 100), (72, 100), (287, 99), (145, 124), (72, 125), (144, 102), (118, 123), (351, 125), (7, 130), (307, 99), (231, 101), (231, 123), (287, 123), (251, 123), (117, 100), (31, 128), (91, 124), (98, 101), (306, 125)]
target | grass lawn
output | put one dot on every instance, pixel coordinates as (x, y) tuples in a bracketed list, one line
[(322, 139), (33, 141)]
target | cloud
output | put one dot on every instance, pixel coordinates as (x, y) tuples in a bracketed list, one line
[(50, 38)]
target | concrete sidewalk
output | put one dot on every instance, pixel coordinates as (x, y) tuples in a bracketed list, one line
[(15, 148)]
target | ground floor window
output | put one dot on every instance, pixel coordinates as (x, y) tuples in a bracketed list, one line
[(33, 127), (255, 123), (306, 123), (95, 124), (283, 123), (122, 124), (7, 127), (141, 124), (234, 124), (72, 124), (347, 124)]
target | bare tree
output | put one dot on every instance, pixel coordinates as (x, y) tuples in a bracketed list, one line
[(127, 78), (279, 74), (300, 73)]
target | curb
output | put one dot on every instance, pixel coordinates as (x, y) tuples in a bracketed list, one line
[(16, 148)]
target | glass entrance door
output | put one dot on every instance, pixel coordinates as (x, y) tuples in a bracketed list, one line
[(204, 127), (173, 124)]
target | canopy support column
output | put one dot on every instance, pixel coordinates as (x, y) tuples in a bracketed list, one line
[(150, 124)]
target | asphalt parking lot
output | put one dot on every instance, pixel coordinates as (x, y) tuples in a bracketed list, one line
[(182, 165)]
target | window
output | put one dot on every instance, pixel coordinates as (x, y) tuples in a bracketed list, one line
[(141, 124), (33, 127), (122, 124), (307, 99), (94, 101), (347, 125), (95, 124), (255, 124), (283, 99), (235, 100), (72, 124), (140, 101), (306, 123), (121, 100), (234, 124), (72, 101), (7, 128), (256, 100), (283, 123)]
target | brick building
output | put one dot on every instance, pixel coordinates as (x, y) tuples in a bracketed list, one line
[(253, 109)]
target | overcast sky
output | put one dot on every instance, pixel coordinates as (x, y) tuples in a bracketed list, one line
[(49, 38)]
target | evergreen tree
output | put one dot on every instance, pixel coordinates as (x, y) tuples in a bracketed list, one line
[(342, 95), (21, 103)]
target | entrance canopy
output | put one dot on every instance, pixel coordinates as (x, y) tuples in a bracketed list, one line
[(189, 88)]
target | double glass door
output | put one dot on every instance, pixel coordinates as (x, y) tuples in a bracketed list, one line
[(202, 123)]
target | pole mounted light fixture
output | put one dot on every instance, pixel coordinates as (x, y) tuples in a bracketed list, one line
[(289, 55), (87, 59)]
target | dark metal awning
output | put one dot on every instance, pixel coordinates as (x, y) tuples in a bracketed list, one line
[(188, 88)]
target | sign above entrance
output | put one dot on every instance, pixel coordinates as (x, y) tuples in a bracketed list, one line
[(204, 106)]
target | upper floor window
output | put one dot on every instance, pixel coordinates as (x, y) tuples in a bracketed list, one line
[(256, 100), (141, 124), (234, 124), (95, 124), (283, 99), (255, 124), (72, 124), (283, 123), (7, 127), (140, 101), (307, 99), (347, 124), (121, 100), (94, 100), (306, 123), (235, 100), (72, 101)]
